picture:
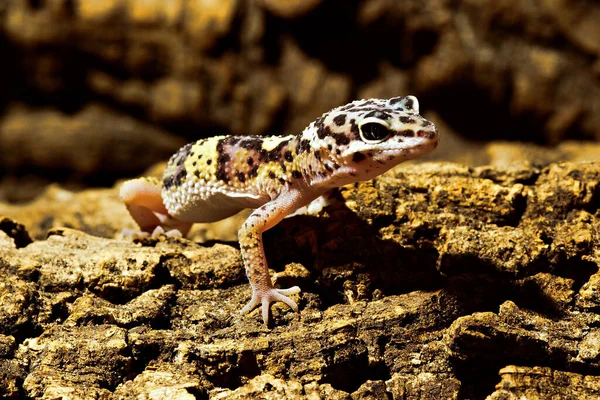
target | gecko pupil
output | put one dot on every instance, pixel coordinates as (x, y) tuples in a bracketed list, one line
[(374, 132)]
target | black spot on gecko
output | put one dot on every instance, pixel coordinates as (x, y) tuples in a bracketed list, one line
[(408, 103), (336, 166), (282, 181), (303, 146), (338, 151), (181, 155), (319, 122), (209, 161), (241, 177), (222, 175), (318, 155), (254, 171), (340, 119), (263, 155), (272, 175), (328, 168), (274, 155), (323, 132), (407, 133), (342, 139), (407, 120), (329, 147), (251, 143), (250, 161), (361, 109), (288, 156), (358, 157), (377, 114), (197, 173), (175, 180), (232, 140), (222, 161), (395, 100), (296, 174), (354, 128), (168, 182)]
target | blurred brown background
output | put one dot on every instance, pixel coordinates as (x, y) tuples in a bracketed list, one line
[(95, 91)]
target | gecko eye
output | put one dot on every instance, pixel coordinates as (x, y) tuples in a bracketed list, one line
[(374, 132)]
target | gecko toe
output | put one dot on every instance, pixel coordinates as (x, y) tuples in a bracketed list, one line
[(175, 233), (292, 290), (159, 230), (271, 296), (252, 304)]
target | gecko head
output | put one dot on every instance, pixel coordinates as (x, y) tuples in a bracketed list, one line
[(370, 136)]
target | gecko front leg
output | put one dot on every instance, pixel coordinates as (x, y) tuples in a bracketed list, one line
[(253, 254)]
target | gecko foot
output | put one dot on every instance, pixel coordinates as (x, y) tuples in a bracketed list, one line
[(272, 295), (158, 231)]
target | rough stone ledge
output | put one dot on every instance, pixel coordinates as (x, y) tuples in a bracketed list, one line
[(423, 284)]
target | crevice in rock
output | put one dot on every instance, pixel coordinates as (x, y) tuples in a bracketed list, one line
[(478, 380), (577, 269), (515, 218), (479, 293), (243, 367), (348, 366), (197, 393)]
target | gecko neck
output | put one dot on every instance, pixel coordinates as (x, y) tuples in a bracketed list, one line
[(319, 164)]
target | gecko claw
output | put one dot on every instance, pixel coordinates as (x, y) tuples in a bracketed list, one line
[(265, 299)]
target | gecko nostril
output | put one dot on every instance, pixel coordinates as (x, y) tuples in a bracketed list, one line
[(427, 134)]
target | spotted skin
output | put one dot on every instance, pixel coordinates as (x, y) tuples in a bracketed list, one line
[(215, 178)]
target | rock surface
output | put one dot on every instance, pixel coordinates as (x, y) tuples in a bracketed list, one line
[(434, 281)]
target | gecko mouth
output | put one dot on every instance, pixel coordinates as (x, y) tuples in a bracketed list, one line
[(408, 152)]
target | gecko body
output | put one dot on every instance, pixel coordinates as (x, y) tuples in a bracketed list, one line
[(214, 178)]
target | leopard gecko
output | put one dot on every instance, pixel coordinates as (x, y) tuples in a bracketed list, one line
[(214, 178)]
